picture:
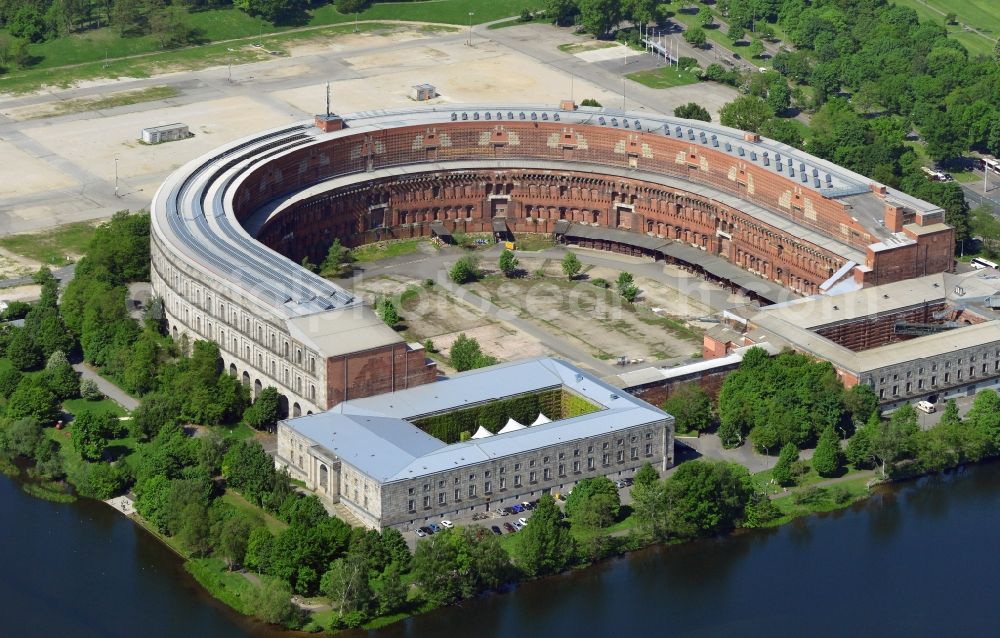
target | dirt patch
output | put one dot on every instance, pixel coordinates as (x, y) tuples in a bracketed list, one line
[(13, 266), (21, 293), (594, 318)]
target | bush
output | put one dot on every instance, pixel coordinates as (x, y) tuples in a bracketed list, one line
[(601, 283), (465, 270), (90, 391), (589, 101)]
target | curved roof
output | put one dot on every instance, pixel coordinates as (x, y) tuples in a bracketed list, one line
[(192, 210)]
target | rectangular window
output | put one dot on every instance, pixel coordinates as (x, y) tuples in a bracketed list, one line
[(545, 459), (531, 463), (547, 474), (561, 456), (590, 463), (606, 459), (458, 494), (503, 470), (503, 483), (649, 449), (472, 491), (441, 500), (590, 449), (488, 487), (635, 453), (427, 487), (533, 477), (517, 466), (576, 466), (576, 452), (472, 477), (411, 505), (895, 390), (517, 480), (441, 484), (605, 446), (621, 456), (427, 502), (486, 474), (562, 470)]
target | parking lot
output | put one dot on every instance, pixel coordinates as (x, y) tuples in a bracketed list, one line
[(489, 518)]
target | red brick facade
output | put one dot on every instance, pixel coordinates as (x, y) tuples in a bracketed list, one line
[(533, 199), (365, 374)]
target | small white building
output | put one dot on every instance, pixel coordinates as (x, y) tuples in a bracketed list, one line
[(165, 133), (423, 92)]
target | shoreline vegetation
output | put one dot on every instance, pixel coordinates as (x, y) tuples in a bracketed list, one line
[(266, 549), (262, 545)]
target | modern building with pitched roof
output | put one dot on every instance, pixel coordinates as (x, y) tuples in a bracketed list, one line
[(377, 457)]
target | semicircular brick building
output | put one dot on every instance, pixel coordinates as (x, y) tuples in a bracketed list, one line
[(231, 228)]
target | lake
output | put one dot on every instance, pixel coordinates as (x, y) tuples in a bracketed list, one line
[(918, 559)]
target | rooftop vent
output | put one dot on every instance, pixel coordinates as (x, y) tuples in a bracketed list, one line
[(741, 151), (816, 182), (454, 116), (602, 121), (534, 116), (753, 156), (465, 116), (545, 116), (488, 115), (555, 116), (475, 115)]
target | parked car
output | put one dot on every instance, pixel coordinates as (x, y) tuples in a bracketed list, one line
[(509, 527), (434, 528), (620, 484), (528, 505), (522, 521), (420, 532), (518, 525), (496, 530), (499, 511), (447, 524), (426, 531), (517, 509), (630, 482)]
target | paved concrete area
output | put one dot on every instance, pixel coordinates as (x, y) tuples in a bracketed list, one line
[(66, 168)]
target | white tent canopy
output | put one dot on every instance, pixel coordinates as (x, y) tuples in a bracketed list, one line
[(482, 433), (542, 419), (511, 426)]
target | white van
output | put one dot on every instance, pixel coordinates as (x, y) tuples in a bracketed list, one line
[(926, 406)]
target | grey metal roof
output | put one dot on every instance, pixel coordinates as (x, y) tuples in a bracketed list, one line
[(374, 434)]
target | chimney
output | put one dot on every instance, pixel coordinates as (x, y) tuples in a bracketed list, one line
[(893, 218), (567, 105), (329, 123)]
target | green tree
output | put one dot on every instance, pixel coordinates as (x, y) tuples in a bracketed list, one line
[(600, 17), (562, 12), (465, 270), (508, 263), (571, 265), (546, 545), (33, 400), (466, 354), (260, 544), (756, 49), (594, 502), (234, 536), (746, 112), (21, 437), (90, 391), (105, 481), (60, 378), (90, 433), (705, 17), (691, 408), (783, 471), (646, 475), (10, 378), (337, 261), (783, 131), (736, 33), (984, 418), (271, 601), (861, 402), (348, 587), (693, 111), (391, 590), (23, 352), (263, 413), (387, 312), (27, 23), (704, 498), (695, 36), (248, 469), (828, 459), (893, 439), (589, 101)]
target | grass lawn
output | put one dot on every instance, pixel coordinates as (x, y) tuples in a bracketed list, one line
[(663, 77), (532, 241), (580, 47), (386, 249), (818, 500), (236, 500), (56, 247), (112, 100), (104, 406), (981, 14), (229, 587), (237, 432)]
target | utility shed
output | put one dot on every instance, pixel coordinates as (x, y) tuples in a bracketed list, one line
[(423, 92), (165, 133)]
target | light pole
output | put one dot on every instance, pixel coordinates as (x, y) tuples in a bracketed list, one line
[(471, 13), (116, 177)]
